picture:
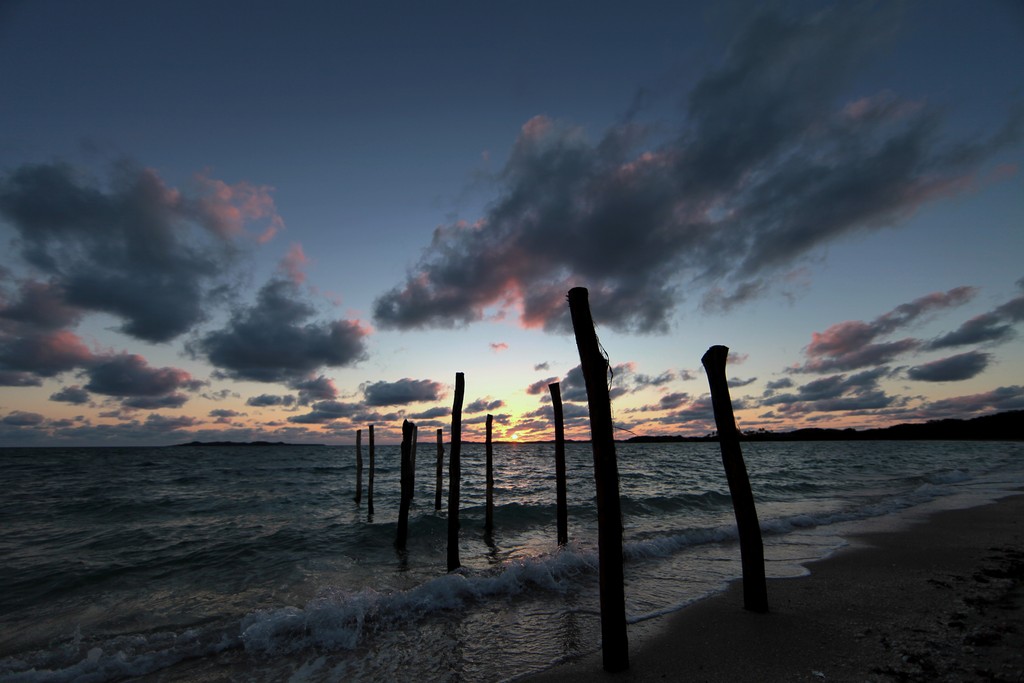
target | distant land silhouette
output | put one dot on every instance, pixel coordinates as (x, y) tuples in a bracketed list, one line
[(1005, 426)]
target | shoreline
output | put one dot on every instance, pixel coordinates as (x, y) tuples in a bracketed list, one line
[(938, 599)]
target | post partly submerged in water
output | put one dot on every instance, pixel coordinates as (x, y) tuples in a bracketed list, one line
[(408, 434), (440, 469), (562, 511), (359, 466), (369, 482), (455, 473), (614, 644), (755, 590), (489, 493)]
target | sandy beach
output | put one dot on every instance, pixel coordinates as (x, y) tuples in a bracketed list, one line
[(938, 601)]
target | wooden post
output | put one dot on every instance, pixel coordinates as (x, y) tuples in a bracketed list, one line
[(359, 466), (562, 513), (369, 483), (755, 590), (440, 469), (489, 495), (412, 460), (408, 430), (455, 473), (614, 644)]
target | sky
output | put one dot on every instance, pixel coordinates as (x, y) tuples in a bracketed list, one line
[(289, 221)]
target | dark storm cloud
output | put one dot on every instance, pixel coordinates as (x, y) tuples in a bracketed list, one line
[(74, 394), (129, 375), (131, 246), (851, 345), (272, 341), (953, 369), (402, 392), (769, 165)]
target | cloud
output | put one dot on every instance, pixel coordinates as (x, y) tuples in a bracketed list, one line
[(74, 394), (953, 369), (402, 392), (22, 418), (541, 366), (484, 405), (851, 345), (175, 400), (736, 382), (315, 389), (997, 400), (498, 347), (163, 423), (769, 165), (434, 413), (265, 400), (540, 387), (834, 393), (132, 246), (40, 305), (327, 411), (44, 354), (271, 341), (13, 378), (994, 326), (129, 375)]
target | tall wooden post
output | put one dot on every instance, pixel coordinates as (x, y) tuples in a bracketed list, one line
[(369, 483), (489, 495), (455, 473), (440, 469), (408, 430), (359, 466), (562, 512), (615, 646), (755, 590), (412, 460)]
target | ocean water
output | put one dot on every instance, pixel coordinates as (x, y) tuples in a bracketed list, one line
[(243, 563)]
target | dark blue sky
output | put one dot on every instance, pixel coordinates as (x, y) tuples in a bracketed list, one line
[(262, 216)]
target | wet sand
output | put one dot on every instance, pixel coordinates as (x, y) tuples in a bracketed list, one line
[(938, 601)]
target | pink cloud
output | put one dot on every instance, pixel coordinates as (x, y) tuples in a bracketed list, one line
[(226, 209), (294, 263)]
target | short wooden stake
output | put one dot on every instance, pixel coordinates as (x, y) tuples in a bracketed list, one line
[(455, 473), (369, 482), (562, 512), (408, 430), (755, 590), (489, 494), (359, 466), (440, 469), (614, 644)]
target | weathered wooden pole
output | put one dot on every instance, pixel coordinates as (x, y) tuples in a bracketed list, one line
[(369, 482), (614, 644), (408, 430), (562, 512), (489, 495), (455, 473), (440, 469), (755, 590), (412, 460), (359, 466)]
